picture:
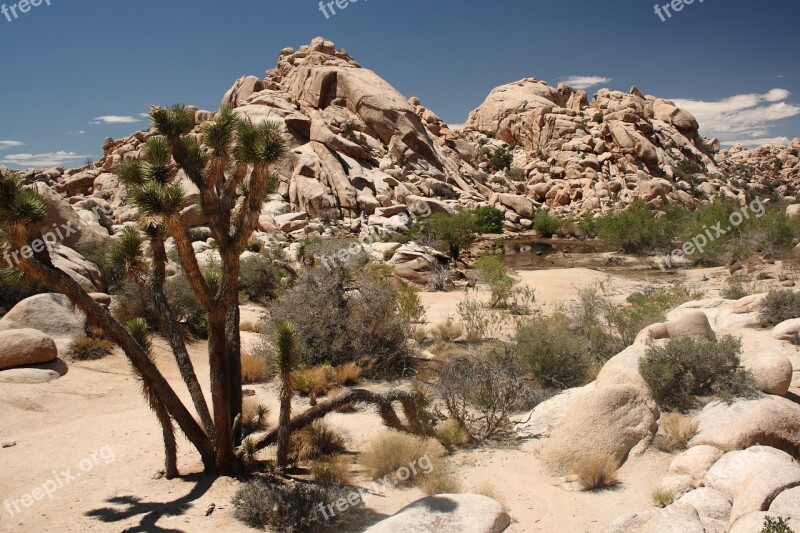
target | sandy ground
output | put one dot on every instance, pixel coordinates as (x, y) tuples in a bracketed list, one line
[(96, 409)]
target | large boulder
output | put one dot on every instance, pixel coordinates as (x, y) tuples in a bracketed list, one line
[(608, 422), (709, 503), (787, 502), (677, 518), (788, 330), (447, 513), (27, 346), (692, 325), (695, 461), (773, 373), (52, 314), (770, 421), (539, 423), (754, 522), (728, 475), (760, 488)]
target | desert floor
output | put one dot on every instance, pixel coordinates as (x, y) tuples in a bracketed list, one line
[(96, 409)]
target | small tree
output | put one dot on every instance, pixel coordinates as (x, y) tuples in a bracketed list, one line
[(453, 232), (285, 362)]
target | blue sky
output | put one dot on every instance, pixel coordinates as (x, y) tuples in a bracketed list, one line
[(74, 73)]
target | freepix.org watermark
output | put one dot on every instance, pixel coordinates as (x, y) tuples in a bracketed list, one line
[(329, 8), (701, 240), (13, 11), (60, 479), (665, 11), (50, 239)]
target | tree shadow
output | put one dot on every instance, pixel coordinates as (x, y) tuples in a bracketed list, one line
[(130, 506)]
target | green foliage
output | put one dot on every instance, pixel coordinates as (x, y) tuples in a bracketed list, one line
[(492, 271), (588, 225), (516, 174), (186, 306), (489, 220), (776, 525), (779, 306), (546, 224), (258, 278), (598, 117), (637, 230), (409, 304), (443, 190), (686, 368), (646, 308), (453, 232), (501, 159), (735, 289)]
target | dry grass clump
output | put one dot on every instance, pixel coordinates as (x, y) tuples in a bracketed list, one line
[(255, 369), (316, 441), (490, 491), (348, 374), (662, 497), (253, 327), (440, 481), (451, 433), (596, 472), (676, 431), (446, 350), (392, 450), (332, 470), (314, 381), (447, 331), (254, 415), (90, 347)]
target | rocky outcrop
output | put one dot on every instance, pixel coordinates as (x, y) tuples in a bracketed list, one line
[(447, 513), (51, 314)]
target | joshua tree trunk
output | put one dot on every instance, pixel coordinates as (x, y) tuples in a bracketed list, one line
[(235, 357), (219, 362), (170, 448)]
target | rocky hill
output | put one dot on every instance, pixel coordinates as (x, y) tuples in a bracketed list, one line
[(364, 153)]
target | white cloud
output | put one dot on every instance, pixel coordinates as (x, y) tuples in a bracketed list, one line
[(114, 119), (744, 118), (51, 159), (9, 144), (784, 141), (79, 132), (584, 82)]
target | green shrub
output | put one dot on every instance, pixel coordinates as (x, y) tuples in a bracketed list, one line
[(588, 225), (285, 506), (776, 525), (186, 306), (516, 174), (779, 306), (489, 220), (598, 117), (14, 289), (637, 229), (258, 278), (551, 353), (735, 289), (686, 368), (501, 159), (492, 271), (443, 190), (546, 224), (453, 232)]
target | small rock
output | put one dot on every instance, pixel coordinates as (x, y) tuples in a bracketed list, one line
[(9, 443)]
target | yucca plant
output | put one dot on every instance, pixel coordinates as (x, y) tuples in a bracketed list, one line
[(285, 362)]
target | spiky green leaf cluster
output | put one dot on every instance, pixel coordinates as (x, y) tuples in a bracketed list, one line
[(219, 134), (172, 122), (153, 199), (20, 204), (140, 331), (127, 250), (284, 346), (262, 143)]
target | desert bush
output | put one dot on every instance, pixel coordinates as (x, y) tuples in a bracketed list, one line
[(735, 288), (480, 393), (447, 331), (186, 306), (443, 190), (14, 289), (256, 369), (647, 308), (392, 450), (776, 525), (597, 472), (546, 224), (258, 278), (348, 373), (410, 306), (314, 381), (132, 302), (446, 349), (686, 368), (492, 271), (284, 506), (315, 441), (479, 322), (516, 174), (551, 353), (90, 347), (501, 159), (333, 470), (254, 415), (637, 230), (662, 497), (451, 433), (779, 306), (453, 233), (676, 431), (440, 481), (588, 225), (489, 220)]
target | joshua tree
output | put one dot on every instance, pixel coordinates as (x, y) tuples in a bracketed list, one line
[(285, 361), (141, 332)]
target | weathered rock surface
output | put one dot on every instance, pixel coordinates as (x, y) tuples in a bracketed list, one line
[(447, 513), (25, 347)]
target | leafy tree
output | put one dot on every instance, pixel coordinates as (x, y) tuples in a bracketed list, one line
[(454, 232), (489, 220)]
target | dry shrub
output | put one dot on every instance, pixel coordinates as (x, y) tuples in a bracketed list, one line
[(596, 472), (490, 491), (316, 441), (452, 433), (254, 415), (440, 481), (90, 347), (446, 350), (348, 373), (314, 382), (662, 497), (393, 450), (252, 327), (255, 369), (676, 430), (332, 470), (447, 331)]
